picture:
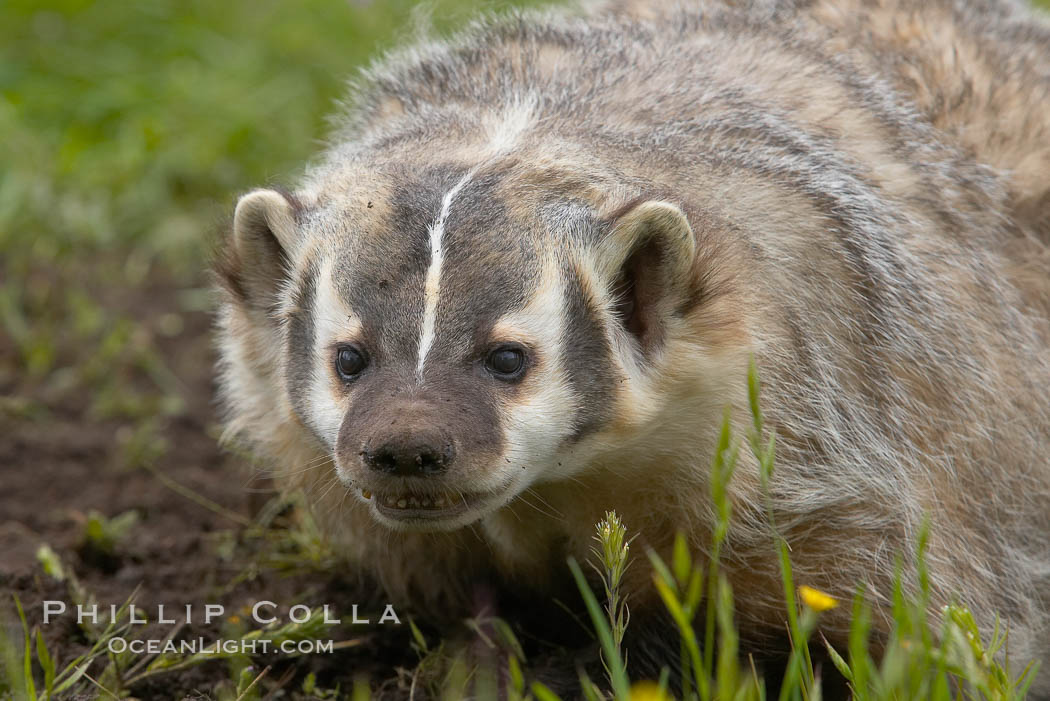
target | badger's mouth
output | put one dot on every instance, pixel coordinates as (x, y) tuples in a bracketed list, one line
[(426, 510)]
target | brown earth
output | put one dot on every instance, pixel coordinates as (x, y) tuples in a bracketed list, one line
[(59, 463)]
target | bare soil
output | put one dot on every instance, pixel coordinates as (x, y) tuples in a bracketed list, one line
[(59, 463)]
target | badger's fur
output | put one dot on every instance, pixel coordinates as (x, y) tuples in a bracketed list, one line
[(529, 272)]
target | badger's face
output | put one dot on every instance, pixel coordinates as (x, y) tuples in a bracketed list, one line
[(447, 351)]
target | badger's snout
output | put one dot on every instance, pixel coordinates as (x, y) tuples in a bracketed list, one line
[(417, 463), (418, 454), (398, 437)]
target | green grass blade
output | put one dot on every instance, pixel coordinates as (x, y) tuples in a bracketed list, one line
[(543, 693), (617, 671), (27, 652), (73, 678), (46, 663)]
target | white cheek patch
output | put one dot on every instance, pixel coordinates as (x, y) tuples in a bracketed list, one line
[(333, 321), (542, 416)]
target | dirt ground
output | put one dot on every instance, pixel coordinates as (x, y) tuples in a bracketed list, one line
[(60, 463)]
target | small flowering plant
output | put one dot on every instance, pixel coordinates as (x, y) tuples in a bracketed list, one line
[(613, 551)]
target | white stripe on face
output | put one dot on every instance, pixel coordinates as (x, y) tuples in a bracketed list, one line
[(432, 288), (503, 134)]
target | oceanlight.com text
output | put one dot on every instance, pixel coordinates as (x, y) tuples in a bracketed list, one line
[(200, 646)]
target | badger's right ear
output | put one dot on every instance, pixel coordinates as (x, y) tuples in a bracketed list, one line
[(257, 256), (647, 261)]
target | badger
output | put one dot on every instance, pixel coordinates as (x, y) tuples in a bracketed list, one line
[(524, 281)]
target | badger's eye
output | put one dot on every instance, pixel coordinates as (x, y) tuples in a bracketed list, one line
[(506, 362), (349, 362)]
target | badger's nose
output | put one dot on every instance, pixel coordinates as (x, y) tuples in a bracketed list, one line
[(410, 458)]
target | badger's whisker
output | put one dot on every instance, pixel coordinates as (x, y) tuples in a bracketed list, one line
[(538, 509), (546, 503)]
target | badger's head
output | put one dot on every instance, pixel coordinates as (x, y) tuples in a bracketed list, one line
[(446, 348)]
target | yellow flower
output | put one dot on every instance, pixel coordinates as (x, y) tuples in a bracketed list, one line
[(648, 691), (816, 599)]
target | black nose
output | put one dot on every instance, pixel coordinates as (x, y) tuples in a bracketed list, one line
[(410, 458)]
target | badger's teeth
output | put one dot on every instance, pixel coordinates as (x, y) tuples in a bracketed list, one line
[(409, 501)]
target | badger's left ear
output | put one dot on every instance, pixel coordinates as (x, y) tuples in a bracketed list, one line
[(647, 260)]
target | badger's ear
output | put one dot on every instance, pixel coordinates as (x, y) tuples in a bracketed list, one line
[(257, 255), (648, 262)]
